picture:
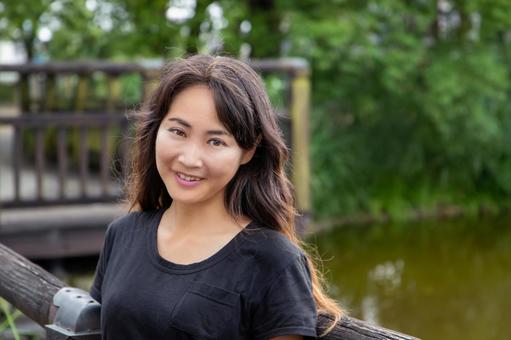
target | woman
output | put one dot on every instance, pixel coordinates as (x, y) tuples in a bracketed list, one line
[(209, 250)]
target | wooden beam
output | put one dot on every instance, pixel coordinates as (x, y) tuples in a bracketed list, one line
[(27, 286), (300, 90)]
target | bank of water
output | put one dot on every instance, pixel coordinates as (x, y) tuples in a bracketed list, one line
[(434, 279)]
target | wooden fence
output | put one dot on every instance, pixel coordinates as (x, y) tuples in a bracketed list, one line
[(43, 107)]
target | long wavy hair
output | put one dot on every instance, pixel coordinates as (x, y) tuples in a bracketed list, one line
[(260, 189)]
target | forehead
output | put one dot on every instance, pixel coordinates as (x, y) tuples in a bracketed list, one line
[(194, 108), (194, 104)]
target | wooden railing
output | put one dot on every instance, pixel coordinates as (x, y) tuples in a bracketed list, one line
[(47, 99), (66, 125), (31, 289), (68, 149)]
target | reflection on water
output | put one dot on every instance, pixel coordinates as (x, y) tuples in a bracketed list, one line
[(434, 280)]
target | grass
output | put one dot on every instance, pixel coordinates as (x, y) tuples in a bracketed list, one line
[(10, 317)]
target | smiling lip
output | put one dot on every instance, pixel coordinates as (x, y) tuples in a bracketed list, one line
[(185, 182)]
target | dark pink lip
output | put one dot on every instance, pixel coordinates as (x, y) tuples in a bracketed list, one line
[(187, 183)]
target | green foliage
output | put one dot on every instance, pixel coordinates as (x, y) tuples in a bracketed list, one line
[(405, 114), (410, 102)]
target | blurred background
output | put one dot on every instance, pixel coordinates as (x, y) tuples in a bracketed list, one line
[(409, 132)]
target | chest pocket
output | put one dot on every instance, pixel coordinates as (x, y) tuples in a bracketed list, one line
[(208, 312)]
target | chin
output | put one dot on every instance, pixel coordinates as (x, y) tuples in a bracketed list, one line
[(186, 199)]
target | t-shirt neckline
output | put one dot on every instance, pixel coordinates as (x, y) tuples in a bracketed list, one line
[(169, 266)]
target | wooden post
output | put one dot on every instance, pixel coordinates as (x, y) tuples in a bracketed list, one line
[(81, 92), (31, 289), (114, 89), (50, 96), (24, 90), (149, 82), (300, 92)]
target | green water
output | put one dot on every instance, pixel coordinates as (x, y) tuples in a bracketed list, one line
[(433, 280)]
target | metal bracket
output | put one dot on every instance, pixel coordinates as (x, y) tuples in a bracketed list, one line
[(77, 317)]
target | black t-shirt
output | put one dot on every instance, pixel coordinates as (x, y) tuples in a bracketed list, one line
[(256, 287)]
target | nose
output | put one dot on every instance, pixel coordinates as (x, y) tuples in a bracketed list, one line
[(190, 156)]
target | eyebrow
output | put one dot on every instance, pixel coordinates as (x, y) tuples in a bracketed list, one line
[(209, 132)]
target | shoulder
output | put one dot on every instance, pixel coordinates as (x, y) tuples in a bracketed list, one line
[(130, 222), (271, 248)]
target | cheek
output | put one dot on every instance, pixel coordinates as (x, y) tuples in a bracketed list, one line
[(225, 165), (163, 151)]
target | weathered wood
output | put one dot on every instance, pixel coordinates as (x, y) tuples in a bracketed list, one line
[(353, 329), (83, 151), (105, 161), (31, 289), (62, 161), (81, 92), (27, 286), (39, 162), (300, 92), (115, 91), (64, 123), (50, 96), (16, 161), (53, 232), (24, 92), (72, 67), (67, 119), (284, 65)]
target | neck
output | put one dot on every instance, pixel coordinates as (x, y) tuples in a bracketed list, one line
[(211, 217)]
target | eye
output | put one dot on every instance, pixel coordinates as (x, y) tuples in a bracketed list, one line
[(216, 142), (177, 132)]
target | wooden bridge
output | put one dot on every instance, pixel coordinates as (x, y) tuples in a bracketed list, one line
[(64, 150)]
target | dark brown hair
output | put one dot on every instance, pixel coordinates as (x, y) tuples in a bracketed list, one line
[(260, 190)]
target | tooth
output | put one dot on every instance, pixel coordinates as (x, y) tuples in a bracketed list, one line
[(188, 178)]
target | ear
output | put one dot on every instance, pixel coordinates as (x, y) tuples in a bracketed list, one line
[(248, 154)]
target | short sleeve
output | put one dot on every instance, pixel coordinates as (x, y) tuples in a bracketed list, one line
[(287, 306), (95, 290)]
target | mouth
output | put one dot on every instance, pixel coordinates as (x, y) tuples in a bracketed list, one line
[(188, 178)]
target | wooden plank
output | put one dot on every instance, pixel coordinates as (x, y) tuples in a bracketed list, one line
[(22, 220), (57, 243), (16, 162), (50, 96), (115, 89), (39, 161), (24, 90), (62, 161), (64, 119), (283, 65), (47, 202), (81, 92), (73, 67), (83, 160), (124, 146), (300, 141), (104, 161)]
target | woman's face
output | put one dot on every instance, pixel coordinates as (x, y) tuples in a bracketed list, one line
[(196, 156)]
